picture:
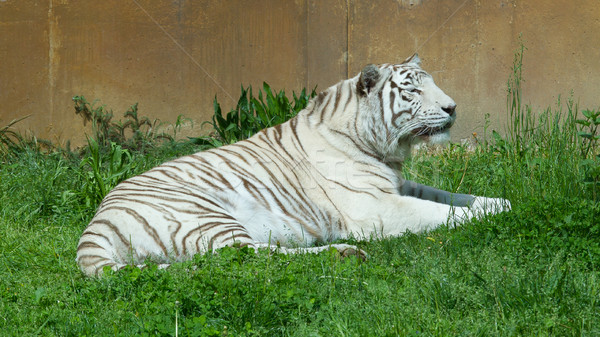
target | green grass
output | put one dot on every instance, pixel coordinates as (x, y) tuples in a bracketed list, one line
[(534, 271), (512, 274)]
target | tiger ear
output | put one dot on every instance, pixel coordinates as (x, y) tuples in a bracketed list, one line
[(368, 78), (414, 59)]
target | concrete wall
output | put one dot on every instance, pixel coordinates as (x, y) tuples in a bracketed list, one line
[(173, 57)]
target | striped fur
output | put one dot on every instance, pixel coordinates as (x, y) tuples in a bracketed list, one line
[(328, 173)]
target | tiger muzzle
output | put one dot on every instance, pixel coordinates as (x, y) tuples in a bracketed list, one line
[(433, 130)]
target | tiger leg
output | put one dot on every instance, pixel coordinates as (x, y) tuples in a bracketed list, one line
[(116, 244), (424, 192), (96, 251), (102, 245), (215, 232), (343, 249), (477, 205)]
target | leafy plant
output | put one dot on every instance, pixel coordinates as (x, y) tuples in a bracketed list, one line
[(252, 115), (102, 172), (590, 134), (135, 133), (9, 138), (13, 142)]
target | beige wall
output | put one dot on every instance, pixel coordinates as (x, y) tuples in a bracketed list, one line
[(173, 57)]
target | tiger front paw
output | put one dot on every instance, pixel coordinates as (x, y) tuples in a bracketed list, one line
[(485, 206), (480, 207)]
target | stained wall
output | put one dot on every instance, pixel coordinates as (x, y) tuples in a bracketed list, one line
[(174, 57)]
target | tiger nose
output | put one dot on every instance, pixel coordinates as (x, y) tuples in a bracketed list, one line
[(450, 109)]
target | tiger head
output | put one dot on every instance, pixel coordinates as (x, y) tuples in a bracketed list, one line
[(400, 105)]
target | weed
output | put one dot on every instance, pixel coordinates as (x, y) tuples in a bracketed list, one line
[(590, 134), (107, 160), (539, 145), (102, 172), (135, 133), (520, 119), (252, 115), (12, 142), (9, 138)]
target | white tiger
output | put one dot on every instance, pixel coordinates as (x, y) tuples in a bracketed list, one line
[(329, 173)]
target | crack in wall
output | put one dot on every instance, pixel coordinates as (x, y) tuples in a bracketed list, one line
[(54, 44)]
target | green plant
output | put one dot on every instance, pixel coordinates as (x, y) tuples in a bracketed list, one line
[(13, 142), (590, 134), (102, 172), (253, 114), (540, 144), (520, 118), (135, 133), (9, 138)]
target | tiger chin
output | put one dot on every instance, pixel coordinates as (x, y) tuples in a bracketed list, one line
[(329, 173)]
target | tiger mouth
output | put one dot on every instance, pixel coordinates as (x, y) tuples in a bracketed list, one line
[(430, 131)]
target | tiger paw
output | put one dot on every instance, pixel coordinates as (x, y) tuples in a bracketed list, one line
[(345, 250), (485, 206)]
